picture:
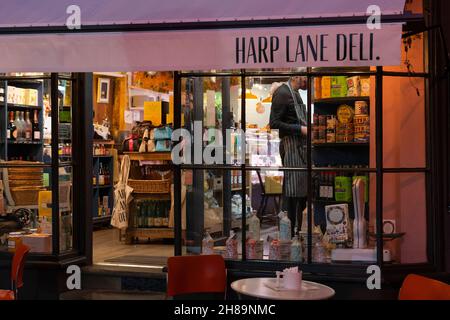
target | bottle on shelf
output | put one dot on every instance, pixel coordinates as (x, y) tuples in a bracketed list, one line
[(151, 214), (157, 214), (18, 124), (101, 175), (23, 125), (137, 220), (165, 220), (28, 128), (36, 129), (11, 133), (106, 175)]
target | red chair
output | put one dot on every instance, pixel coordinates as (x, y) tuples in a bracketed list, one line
[(17, 267), (196, 275), (421, 288)]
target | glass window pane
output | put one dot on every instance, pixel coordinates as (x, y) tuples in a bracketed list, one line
[(65, 209), (27, 214), (404, 217), (404, 122), (65, 120)]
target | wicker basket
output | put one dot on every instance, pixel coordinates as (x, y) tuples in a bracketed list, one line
[(150, 186), (26, 196)]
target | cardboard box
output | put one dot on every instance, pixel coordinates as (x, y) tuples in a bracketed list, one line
[(38, 242), (365, 87), (338, 87), (273, 185), (317, 88), (326, 87)]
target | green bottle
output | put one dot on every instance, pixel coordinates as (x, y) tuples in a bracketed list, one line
[(150, 218), (157, 214), (143, 215), (137, 216), (166, 214)]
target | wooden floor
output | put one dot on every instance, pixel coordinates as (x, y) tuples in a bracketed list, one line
[(107, 246)]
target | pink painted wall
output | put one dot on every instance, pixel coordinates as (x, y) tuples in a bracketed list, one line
[(404, 147)]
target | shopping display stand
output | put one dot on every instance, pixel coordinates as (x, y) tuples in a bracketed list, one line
[(158, 190)]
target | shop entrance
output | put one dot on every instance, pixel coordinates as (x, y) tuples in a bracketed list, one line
[(129, 108)]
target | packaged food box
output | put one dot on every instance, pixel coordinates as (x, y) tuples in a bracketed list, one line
[(331, 137), (331, 122), (343, 189), (338, 87), (365, 87), (326, 87), (345, 114), (361, 120), (344, 138), (361, 108), (317, 88), (353, 86)]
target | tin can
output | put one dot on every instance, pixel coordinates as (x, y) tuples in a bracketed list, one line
[(361, 108)]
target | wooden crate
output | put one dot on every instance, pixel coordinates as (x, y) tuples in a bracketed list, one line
[(148, 234)]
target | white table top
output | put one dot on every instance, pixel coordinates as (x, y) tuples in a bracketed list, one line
[(255, 287)]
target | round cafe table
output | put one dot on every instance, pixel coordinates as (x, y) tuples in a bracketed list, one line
[(258, 288)]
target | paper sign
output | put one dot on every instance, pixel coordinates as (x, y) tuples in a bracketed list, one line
[(210, 108), (234, 100), (137, 116), (169, 117), (153, 112), (128, 117)]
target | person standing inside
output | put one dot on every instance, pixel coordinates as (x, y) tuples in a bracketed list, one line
[(288, 115)]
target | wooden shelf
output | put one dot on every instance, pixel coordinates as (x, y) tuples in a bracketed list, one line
[(341, 100), (105, 142), (149, 233), (389, 237), (25, 143), (102, 219), (22, 106), (341, 145), (103, 187), (332, 201), (107, 157), (150, 156)]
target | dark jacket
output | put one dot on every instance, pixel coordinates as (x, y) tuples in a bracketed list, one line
[(282, 115)]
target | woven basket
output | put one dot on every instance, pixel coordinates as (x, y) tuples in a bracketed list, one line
[(150, 186), (26, 183), (26, 196)]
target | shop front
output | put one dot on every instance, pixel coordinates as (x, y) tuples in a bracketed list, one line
[(372, 166)]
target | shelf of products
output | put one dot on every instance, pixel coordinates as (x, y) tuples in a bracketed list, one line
[(21, 109), (342, 145), (149, 156), (341, 140), (340, 100), (103, 189)]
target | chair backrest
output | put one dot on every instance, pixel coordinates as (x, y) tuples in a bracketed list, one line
[(196, 274), (18, 265), (416, 287)]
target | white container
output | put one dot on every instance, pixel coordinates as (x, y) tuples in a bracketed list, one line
[(254, 226)]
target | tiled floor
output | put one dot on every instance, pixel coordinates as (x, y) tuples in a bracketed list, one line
[(107, 246)]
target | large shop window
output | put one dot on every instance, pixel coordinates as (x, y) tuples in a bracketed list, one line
[(363, 159), (36, 164)]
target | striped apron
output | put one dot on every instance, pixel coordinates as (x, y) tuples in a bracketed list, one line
[(293, 155)]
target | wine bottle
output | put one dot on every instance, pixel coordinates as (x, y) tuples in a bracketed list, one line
[(18, 125), (28, 127), (36, 129), (101, 175), (11, 133)]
